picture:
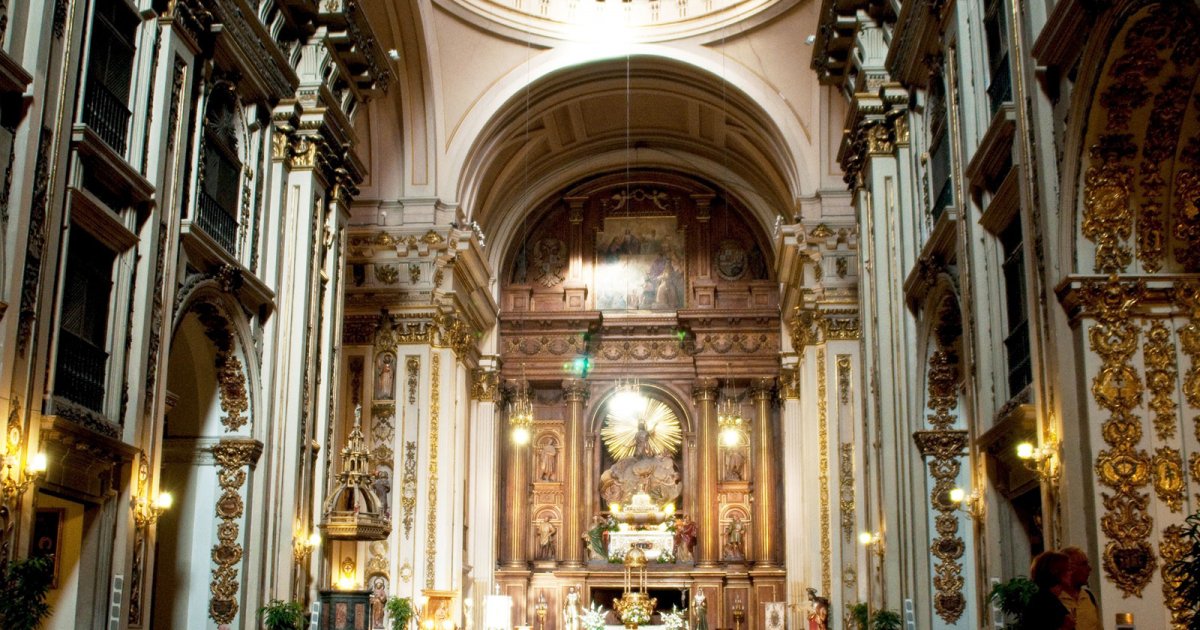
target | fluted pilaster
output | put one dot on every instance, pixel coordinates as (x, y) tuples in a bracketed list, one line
[(705, 394), (762, 392), (575, 394)]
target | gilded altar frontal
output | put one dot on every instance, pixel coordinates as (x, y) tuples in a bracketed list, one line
[(599, 314)]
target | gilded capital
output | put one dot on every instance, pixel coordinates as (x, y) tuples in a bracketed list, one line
[(705, 390), (485, 385), (575, 390), (762, 388)]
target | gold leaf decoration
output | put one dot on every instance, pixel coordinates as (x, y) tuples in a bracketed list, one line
[(620, 431)]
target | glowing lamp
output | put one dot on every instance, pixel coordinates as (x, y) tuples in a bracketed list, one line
[(1025, 450), (37, 463), (163, 501)]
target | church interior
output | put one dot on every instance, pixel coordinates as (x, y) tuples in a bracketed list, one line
[(588, 314)]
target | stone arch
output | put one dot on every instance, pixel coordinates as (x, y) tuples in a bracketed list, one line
[(1132, 171)]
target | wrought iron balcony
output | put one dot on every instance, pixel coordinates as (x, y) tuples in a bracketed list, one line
[(216, 221), (1000, 88), (79, 376), (107, 115)]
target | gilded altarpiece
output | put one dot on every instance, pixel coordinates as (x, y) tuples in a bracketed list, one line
[(694, 319)]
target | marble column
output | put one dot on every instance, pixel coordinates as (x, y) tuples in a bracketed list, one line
[(575, 394), (516, 495), (762, 391), (705, 394)]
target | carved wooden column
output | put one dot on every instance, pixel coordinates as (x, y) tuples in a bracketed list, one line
[(705, 394), (761, 392), (575, 392), (703, 285), (575, 287), (516, 495)]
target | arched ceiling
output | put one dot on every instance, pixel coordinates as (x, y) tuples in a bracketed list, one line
[(598, 20), (572, 125)]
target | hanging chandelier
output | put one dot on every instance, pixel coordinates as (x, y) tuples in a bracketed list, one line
[(730, 421), (520, 414)]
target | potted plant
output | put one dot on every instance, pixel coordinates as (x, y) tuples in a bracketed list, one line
[(400, 610), (1187, 570), (1012, 597), (23, 593), (859, 616), (281, 615), (885, 620)]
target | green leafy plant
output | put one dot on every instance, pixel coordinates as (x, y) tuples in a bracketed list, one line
[(400, 610), (1012, 597), (23, 593), (1187, 571), (860, 616), (281, 615), (885, 620)]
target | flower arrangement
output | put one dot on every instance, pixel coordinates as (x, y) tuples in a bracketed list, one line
[(593, 618), (674, 620), (666, 557), (634, 616)]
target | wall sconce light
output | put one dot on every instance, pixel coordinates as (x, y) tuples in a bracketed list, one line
[(17, 479), (1043, 459), (739, 613), (146, 512), (540, 609), (970, 504), (302, 547), (873, 541)]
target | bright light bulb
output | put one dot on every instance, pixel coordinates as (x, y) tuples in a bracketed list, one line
[(1025, 450), (670, 508), (866, 538), (614, 507), (37, 463), (346, 582), (520, 436), (164, 501), (314, 539), (731, 437), (958, 495)]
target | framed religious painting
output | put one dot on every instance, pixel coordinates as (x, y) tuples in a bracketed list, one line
[(640, 264)]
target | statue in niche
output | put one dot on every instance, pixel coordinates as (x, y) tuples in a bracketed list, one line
[(385, 377), (382, 485), (547, 534), (571, 616), (548, 461), (735, 533), (735, 465), (701, 607)]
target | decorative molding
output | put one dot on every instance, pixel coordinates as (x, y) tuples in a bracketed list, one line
[(231, 380), (1174, 546), (413, 366), (1159, 355), (1170, 480), (843, 372), (485, 385), (408, 487), (431, 516), (846, 483), (823, 477)]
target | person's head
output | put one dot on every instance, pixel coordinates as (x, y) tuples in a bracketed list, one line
[(1081, 566), (1050, 569)]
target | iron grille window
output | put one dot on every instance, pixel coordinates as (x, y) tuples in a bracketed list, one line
[(939, 151), (109, 71), (82, 358), (995, 29), (1016, 342), (220, 187)]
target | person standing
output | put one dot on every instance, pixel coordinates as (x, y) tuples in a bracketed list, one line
[(1050, 571), (1077, 597)]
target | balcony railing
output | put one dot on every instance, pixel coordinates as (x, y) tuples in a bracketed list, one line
[(216, 222), (107, 115), (1016, 345), (1000, 88), (79, 377)]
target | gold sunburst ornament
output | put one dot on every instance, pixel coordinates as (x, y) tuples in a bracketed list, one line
[(628, 415)]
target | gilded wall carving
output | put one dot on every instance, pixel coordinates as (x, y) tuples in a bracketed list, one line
[(846, 498), (1173, 547), (232, 456), (1129, 561), (1159, 355), (431, 516), (231, 380), (408, 487), (823, 477)]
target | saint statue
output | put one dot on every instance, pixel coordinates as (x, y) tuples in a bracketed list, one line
[(685, 538), (734, 534), (547, 534), (735, 465), (571, 615), (701, 608), (818, 613), (641, 441), (548, 461), (385, 377)]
